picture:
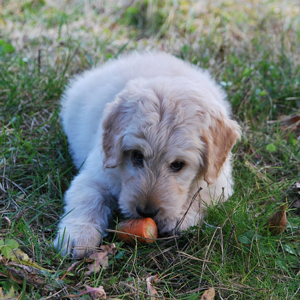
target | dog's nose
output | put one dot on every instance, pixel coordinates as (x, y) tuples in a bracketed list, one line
[(147, 212)]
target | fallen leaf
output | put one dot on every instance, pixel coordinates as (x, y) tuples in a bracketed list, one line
[(278, 221), (290, 123), (271, 148), (19, 256), (151, 290), (297, 203), (100, 259), (110, 249), (290, 120), (95, 293), (24, 267), (10, 249), (33, 278), (8, 295), (7, 245), (209, 294), (255, 153)]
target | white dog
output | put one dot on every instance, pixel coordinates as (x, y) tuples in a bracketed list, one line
[(145, 131)]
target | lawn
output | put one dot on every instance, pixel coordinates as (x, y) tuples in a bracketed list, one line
[(251, 48)]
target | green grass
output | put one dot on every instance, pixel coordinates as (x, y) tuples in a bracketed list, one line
[(251, 48)]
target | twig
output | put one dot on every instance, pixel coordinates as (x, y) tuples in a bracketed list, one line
[(39, 61), (52, 295), (230, 237), (22, 190), (69, 269), (222, 245), (187, 210)]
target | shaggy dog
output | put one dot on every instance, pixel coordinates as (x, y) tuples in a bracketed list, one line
[(146, 131)]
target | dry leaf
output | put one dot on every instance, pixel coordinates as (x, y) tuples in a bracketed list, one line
[(8, 295), (110, 249), (209, 294), (256, 154), (278, 221), (293, 120), (297, 203), (151, 290), (19, 256), (33, 278), (290, 123), (100, 259), (95, 293)]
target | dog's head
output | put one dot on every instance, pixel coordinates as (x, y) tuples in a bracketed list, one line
[(165, 135)]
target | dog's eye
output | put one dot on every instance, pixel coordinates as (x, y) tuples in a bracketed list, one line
[(137, 158), (176, 166)]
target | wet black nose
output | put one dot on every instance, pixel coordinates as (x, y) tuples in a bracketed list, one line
[(147, 212)]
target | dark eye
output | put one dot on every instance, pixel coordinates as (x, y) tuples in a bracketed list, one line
[(176, 166), (137, 158)]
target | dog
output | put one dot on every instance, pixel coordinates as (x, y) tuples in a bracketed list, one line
[(146, 131)]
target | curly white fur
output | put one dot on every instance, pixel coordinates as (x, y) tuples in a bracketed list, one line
[(162, 108)]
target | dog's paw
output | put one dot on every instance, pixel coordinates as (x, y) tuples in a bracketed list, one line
[(77, 240)]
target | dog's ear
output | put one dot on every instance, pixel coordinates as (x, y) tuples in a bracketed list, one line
[(116, 118), (219, 138)]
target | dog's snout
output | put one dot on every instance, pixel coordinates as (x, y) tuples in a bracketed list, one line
[(147, 212)]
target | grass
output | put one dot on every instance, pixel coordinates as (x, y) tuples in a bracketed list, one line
[(251, 48)]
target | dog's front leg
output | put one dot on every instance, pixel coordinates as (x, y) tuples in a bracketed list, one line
[(86, 216)]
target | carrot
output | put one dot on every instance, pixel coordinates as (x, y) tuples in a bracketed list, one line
[(144, 229)]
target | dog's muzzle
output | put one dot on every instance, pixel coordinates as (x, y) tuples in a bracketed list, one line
[(147, 212)]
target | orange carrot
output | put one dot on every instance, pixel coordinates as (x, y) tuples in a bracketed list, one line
[(144, 229)]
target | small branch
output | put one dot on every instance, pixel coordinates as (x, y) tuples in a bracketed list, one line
[(191, 203), (230, 237)]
